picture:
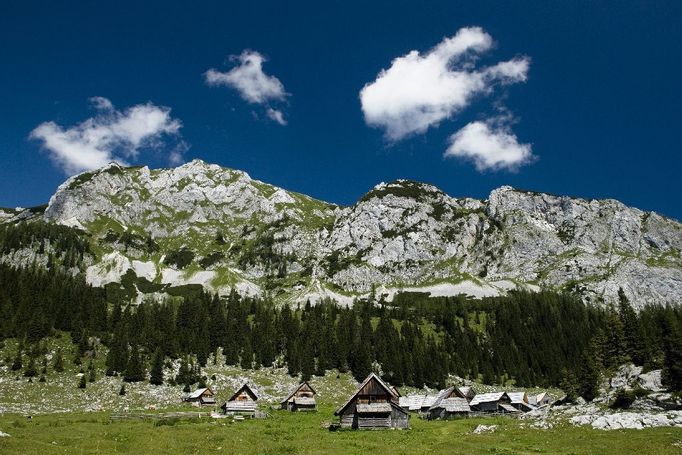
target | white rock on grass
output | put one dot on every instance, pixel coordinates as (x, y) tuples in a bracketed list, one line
[(481, 429)]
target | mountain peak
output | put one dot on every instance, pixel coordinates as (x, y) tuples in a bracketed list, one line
[(235, 232)]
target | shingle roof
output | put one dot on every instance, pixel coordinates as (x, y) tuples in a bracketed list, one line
[(517, 397), (295, 389), (198, 392), (374, 408), (239, 406), (417, 402), (455, 404), (508, 407), (486, 398), (304, 401), (248, 390), (367, 379)]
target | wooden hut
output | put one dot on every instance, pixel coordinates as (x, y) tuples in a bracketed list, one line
[(541, 399), (373, 406), (301, 398), (201, 397), (520, 401), (495, 402), (242, 403), (451, 402)]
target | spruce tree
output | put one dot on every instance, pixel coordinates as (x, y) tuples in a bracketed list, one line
[(82, 383), (135, 370), (30, 370), (632, 330), (246, 361), (156, 373), (17, 363), (588, 378), (92, 373), (307, 363), (59, 361)]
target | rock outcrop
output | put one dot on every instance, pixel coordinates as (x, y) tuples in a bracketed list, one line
[(233, 231)]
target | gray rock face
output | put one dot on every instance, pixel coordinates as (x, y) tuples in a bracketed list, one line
[(399, 235)]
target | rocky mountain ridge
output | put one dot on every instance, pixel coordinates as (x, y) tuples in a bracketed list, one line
[(204, 224)]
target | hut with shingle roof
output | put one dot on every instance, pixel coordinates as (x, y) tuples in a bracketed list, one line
[(301, 398), (242, 403), (374, 406)]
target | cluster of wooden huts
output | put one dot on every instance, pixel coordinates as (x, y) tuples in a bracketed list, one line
[(377, 405), (244, 402), (465, 402)]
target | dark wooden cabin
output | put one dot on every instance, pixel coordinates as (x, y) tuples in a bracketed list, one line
[(495, 402), (373, 407), (243, 402), (520, 401), (302, 398)]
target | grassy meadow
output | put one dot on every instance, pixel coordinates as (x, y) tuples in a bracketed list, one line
[(66, 419), (289, 433)]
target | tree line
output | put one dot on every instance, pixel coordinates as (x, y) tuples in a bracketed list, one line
[(533, 339)]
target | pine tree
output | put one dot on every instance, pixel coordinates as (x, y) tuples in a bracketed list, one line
[(183, 376), (633, 333), (134, 371), (246, 361), (569, 384), (93, 374), (59, 361), (122, 390), (672, 342), (82, 384), (307, 363), (588, 378), (30, 370), (17, 363), (156, 373)]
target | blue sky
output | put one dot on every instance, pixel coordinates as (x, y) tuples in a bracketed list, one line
[(589, 102)]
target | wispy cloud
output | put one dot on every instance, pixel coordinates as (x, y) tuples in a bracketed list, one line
[(110, 135), (491, 145), (420, 90), (276, 115), (251, 82)]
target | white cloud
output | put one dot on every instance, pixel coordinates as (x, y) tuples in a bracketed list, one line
[(109, 136), (490, 145), (419, 91), (276, 115), (249, 80)]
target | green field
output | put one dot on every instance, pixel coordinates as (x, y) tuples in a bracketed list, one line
[(288, 433)]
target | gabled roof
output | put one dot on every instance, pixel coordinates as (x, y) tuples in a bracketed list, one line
[(518, 397), (487, 398), (450, 392), (509, 408), (467, 391), (296, 389), (247, 389), (455, 404), (540, 396), (361, 386), (198, 392)]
